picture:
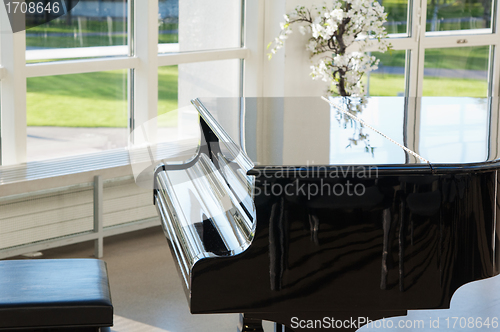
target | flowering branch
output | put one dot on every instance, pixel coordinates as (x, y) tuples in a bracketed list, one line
[(333, 29)]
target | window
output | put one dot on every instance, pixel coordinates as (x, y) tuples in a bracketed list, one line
[(85, 80), (144, 58), (90, 29), (450, 50), (76, 114)]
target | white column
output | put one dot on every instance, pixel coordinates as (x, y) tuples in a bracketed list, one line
[(273, 76), (146, 74), (13, 92), (298, 81)]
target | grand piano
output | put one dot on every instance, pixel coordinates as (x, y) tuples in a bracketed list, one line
[(289, 210)]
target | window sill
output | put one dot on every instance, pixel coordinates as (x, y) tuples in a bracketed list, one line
[(68, 171)]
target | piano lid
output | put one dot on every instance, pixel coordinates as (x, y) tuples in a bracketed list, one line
[(307, 131)]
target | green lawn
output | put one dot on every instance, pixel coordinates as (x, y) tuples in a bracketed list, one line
[(99, 99), (93, 100), (470, 58), (167, 95), (392, 85)]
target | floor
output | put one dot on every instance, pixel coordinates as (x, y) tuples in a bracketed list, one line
[(148, 295), (145, 287)]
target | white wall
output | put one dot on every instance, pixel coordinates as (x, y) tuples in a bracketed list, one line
[(287, 73)]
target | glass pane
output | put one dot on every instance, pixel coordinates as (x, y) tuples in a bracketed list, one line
[(76, 114), (202, 25), (454, 129), (456, 71), (178, 85), (209, 79), (446, 15), (177, 126), (397, 15), (168, 25), (90, 24), (389, 78)]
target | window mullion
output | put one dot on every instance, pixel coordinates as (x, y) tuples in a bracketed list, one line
[(13, 91), (418, 58), (146, 74), (495, 70)]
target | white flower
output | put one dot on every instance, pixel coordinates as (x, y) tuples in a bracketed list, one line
[(366, 19), (338, 14)]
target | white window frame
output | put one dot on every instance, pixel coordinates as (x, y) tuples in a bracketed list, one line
[(259, 77), (143, 60), (418, 40)]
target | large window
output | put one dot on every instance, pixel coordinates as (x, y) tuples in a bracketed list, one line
[(451, 49), (84, 81), (111, 65)]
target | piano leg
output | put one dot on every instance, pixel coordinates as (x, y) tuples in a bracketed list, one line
[(281, 328), (249, 324)]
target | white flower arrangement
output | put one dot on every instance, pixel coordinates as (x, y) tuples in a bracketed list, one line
[(333, 29)]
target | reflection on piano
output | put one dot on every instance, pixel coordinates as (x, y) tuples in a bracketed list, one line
[(274, 217)]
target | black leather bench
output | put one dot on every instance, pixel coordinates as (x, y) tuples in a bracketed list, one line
[(55, 295)]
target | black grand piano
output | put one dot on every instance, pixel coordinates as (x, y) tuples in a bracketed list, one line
[(289, 210)]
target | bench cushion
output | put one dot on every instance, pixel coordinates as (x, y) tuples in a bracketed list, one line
[(54, 293)]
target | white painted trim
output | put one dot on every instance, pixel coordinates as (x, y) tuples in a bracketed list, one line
[(13, 91), (397, 45), (421, 21), (455, 33), (255, 52), (460, 41), (145, 87), (400, 44), (76, 52), (3, 72), (495, 83), (80, 66), (168, 48), (104, 64), (496, 55), (202, 56)]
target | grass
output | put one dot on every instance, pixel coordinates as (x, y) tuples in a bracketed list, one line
[(435, 86), (470, 58), (99, 99), (93, 100), (392, 85), (167, 95), (386, 85)]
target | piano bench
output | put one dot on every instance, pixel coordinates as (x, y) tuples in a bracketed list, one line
[(55, 295)]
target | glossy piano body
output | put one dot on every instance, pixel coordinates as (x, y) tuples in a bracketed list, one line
[(276, 218)]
